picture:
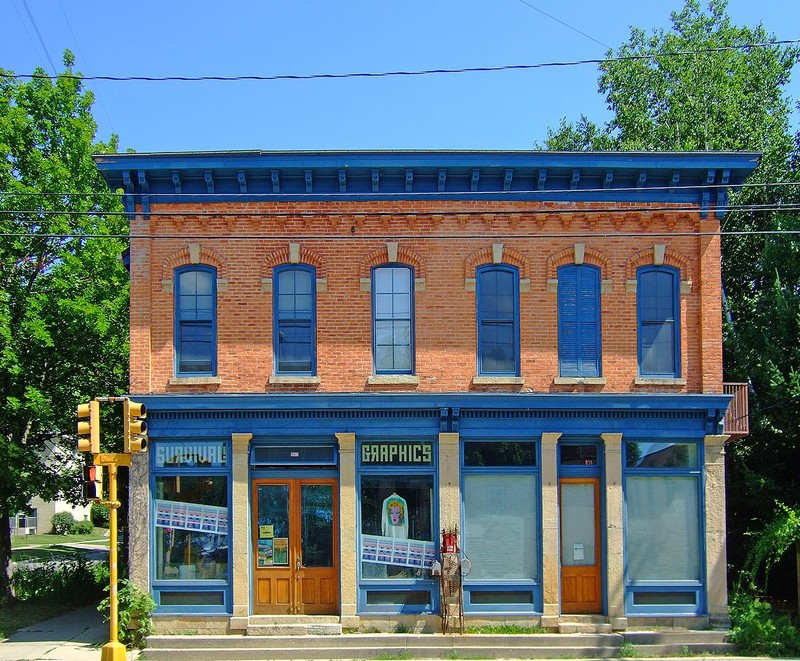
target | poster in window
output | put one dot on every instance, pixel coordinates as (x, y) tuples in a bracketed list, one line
[(280, 552), (265, 553)]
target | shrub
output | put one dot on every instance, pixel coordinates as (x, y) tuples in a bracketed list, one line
[(99, 515), (63, 523), (756, 630), (75, 581), (84, 528), (135, 606)]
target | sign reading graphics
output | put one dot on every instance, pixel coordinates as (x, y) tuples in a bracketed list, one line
[(396, 454)]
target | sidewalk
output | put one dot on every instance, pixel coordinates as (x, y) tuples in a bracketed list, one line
[(77, 636)]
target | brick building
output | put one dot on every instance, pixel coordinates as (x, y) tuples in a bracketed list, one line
[(344, 353)]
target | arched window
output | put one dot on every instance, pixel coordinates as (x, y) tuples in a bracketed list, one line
[(393, 319), (497, 293), (196, 321), (657, 290), (294, 326), (579, 320)]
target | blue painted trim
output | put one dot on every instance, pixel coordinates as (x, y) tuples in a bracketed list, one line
[(411, 303), (284, 268), (532, 175), (641, 294), (177, 318), (479, 299)]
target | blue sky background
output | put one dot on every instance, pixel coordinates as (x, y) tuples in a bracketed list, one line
[(495, 110)]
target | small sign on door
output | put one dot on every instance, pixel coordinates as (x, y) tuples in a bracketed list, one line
[(578, 552)]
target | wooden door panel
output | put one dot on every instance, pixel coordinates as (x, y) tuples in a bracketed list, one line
[(581, 590)]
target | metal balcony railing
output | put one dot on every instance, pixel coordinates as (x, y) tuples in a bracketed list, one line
[(737, 417)]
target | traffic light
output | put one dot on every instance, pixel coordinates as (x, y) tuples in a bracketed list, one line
[(89, 427), (134, 426), (93, 482)]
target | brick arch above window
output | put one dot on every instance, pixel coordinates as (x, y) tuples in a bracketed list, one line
[(646, 257), (381, 256), (485, 256), (567, 256), (184, 257), (282, 256)]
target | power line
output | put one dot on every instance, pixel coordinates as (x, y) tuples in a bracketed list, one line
[(567, 25), (422, 72), (39, 34)]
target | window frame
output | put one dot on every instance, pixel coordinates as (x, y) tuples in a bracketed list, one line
[(412, 344), (171, 585), (482, 321), (276, 320), (641, 294), (178, 321), (581, 354)]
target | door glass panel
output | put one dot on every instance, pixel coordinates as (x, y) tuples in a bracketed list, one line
[(577, 524), (316, 512), (273, 525)]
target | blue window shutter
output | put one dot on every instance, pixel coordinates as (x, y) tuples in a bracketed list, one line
[(568, 330), (579, 320)]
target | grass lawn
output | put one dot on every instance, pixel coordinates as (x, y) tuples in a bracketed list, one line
[(99, 534), (24, 613)]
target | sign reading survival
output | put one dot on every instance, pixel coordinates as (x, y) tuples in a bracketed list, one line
[(398, 453)]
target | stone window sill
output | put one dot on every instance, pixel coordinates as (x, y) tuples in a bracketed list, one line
[(195, 381), (579, 381), (657, 381), (288, 380), (498, 380), (393, 380)]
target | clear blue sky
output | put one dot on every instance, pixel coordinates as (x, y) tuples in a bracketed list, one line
[(497, 110)]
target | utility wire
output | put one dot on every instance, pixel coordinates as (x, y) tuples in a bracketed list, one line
[(423, 72), (39, 34), (567, 25)]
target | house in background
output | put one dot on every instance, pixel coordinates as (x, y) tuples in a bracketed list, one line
[(39, 519), (345, 353)]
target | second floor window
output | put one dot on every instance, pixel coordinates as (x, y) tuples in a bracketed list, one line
[(579, 320), (196, 321), (295, 320), (659, 322), (393, 319), (497, 292)]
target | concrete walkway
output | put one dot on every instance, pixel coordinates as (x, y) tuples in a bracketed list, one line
[(77, 636)]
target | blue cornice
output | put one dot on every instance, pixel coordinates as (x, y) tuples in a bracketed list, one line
[(697, 178)]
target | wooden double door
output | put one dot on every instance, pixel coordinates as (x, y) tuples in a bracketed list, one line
[(295, 546), (581, 585)]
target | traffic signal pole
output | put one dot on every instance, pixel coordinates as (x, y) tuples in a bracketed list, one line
[(135, 433)]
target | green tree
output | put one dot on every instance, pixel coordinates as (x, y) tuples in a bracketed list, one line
[(707, 84), (63, 294)]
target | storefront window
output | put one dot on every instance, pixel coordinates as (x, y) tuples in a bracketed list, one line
[(396, 526), (191, 527)]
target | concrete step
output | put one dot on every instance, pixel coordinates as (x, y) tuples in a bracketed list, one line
[(680, 642)]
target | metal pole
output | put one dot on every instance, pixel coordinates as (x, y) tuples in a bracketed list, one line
[(113, 650)]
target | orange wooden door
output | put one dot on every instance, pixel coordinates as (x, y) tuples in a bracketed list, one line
[(295, 547), (581, 587)]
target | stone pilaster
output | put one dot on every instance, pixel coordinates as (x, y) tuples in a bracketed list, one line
[(550, 525), (615, 568), (348, 534), (240, 530), (449, 491), (139, 520), (716, 554)]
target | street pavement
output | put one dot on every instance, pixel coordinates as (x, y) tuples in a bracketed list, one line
[(76, 636)]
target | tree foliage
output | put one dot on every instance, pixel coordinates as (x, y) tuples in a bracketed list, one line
[(63, 294), (707, 84)]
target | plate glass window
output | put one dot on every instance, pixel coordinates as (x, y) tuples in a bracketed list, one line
[(295, 312), (195, 321), (497, 292), (393, 331)]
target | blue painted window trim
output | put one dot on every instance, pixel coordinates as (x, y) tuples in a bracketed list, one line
[(486, 321), (534, 584), (157, 586), (179, 321), (431, 584), (579, 321), (642, 293), (698, 587), (279, 317), (400, 318)]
